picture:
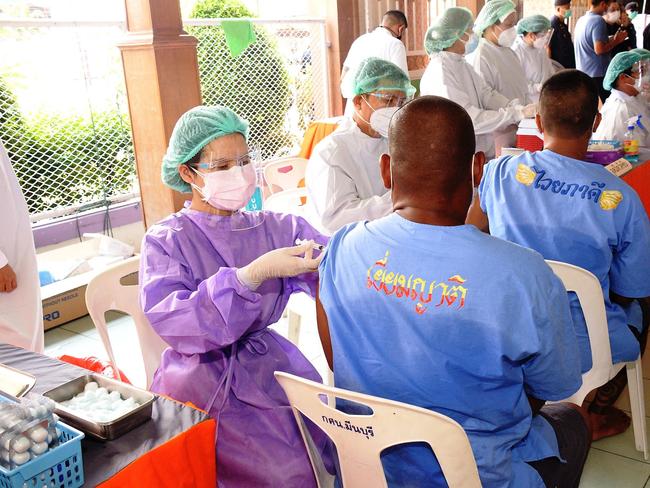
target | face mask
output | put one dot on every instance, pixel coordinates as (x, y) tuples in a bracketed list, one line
[(380, 120), (613, 17), (230, 189), (507, 37), (540, 42), (568, 14), (471, 44), (632, 15)]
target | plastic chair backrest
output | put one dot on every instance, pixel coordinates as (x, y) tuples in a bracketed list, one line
[(590, 294), (360, 439), (285, 173), (287, 201), (105, 292)]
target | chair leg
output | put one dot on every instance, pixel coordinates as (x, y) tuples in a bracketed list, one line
[(294, 326), (637, 405)]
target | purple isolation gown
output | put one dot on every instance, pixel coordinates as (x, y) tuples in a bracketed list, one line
[(222, 354)]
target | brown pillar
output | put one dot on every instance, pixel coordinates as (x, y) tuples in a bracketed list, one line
[(474, 5), (341, 18), (162, 82)]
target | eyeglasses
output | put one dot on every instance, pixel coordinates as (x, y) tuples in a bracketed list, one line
[(391, 100), (223, 164)]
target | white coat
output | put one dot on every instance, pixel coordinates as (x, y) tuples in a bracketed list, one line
[(343, 180), (617, 110), (537, 67), (379, 43), (448, 75), (500, 69), (21, 314)]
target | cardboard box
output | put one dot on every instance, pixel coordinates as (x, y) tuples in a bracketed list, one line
[(65, 300)]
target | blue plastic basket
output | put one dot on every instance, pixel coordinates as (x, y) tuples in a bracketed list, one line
[(60, 467)]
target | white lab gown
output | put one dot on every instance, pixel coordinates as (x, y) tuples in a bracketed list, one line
[(379, 43), (343, 180), (448, 75), (500, 69), (617, 110), (21, 313), (537, 67)]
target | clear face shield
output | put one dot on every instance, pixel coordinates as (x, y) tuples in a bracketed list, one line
[(542, 39), (231, 184), (641, 71)]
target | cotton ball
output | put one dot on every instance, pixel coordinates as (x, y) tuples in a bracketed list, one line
[(20, 458), (115, 395), (91, 386), (37, 434), (39, 448), (91, 394), (102, 391), (21, 444)]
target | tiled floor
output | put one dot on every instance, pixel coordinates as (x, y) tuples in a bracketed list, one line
[(612, 462)]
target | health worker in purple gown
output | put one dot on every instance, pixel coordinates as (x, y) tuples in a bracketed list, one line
[(213, 278)]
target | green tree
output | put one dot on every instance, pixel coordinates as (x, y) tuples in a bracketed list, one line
[(62, 160), (255, 84)]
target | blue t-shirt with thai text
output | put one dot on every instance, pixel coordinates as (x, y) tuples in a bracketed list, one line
[(458, 322), (578, 213)]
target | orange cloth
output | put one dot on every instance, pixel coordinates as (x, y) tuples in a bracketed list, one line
[(187, 460), (639, 179), (316, 132)]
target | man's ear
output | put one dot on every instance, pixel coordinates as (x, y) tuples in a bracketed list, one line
[(477, 168), (356, 101), (597, 121), (384, 170), (538, 123)]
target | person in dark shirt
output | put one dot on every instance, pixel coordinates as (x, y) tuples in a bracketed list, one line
[(561, 46), (618, 19)]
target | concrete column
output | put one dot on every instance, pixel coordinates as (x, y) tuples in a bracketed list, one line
[(162, 82)]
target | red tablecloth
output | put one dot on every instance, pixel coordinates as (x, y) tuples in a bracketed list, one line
[(639, 179)]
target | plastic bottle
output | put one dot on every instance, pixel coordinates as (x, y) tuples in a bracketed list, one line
[(631, 142)]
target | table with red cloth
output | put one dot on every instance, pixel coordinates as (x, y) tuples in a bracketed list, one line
[(175, 448), (639, 179)]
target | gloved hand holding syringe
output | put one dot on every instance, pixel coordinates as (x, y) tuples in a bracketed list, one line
[(284, 262)]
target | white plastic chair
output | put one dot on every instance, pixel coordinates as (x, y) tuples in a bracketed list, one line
[(288, 201), (106, 292), (285, 173), (300, 306), (360, 439), (590, 294)]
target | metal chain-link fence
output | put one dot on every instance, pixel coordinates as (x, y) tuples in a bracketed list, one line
[(279, 83), (64, 114)]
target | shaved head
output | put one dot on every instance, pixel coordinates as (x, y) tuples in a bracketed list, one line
[(431, 144)]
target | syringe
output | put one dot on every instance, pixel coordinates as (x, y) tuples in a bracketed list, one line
[(318, 247)]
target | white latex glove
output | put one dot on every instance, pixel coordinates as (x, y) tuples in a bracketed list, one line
[(279, 263), (529, 111)]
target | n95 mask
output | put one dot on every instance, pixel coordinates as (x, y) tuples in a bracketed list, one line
[(507, 37), (380, 120)]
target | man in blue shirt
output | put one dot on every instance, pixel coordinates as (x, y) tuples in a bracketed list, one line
[(593, 43), (577, 212), (428, 311)]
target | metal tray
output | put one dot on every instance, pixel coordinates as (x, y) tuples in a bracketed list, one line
[(15, 382), (105, 431)]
